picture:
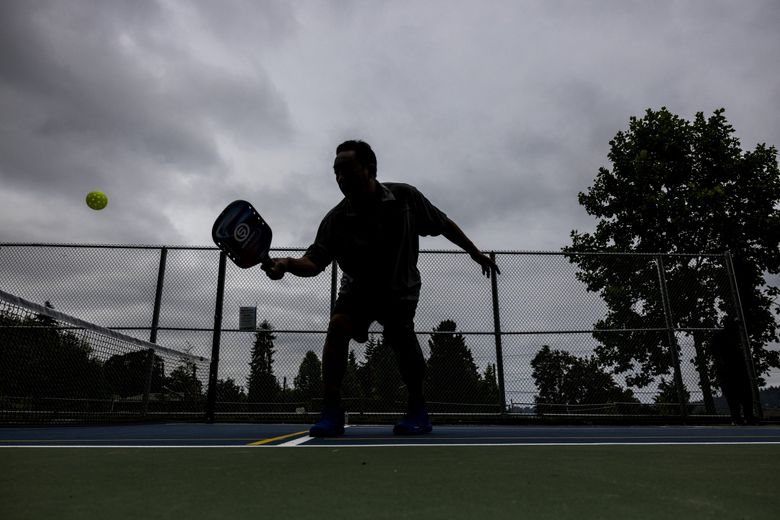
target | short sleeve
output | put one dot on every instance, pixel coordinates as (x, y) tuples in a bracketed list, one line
[(431, 221), (321, 251)]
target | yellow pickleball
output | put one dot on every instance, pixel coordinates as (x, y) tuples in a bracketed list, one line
[(97, 200)]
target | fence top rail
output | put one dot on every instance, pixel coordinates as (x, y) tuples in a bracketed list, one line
[(427, 251)]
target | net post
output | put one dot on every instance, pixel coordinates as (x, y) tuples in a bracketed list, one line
[(211, 399), (744, 337), (497, 334), (671, 340)]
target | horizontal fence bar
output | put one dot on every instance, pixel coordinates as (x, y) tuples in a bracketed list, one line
[(426, 251), (464, 332)]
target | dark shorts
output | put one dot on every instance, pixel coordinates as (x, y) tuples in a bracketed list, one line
[(392, 313)]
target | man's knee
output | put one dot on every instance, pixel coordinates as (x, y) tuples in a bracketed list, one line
[(340, 327)]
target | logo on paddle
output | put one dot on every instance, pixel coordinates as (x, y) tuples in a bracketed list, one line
[(242, 232)]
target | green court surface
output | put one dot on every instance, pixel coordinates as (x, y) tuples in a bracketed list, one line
[(485, 482)]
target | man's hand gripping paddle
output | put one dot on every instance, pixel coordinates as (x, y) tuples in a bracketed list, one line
[(242, 234)]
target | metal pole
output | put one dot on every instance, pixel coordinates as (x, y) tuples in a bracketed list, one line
[(155, 326), (158, 295), (671, 339), (744, 339), (497, 332), (211, 399)]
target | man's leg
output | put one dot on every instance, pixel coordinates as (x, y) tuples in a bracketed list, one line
[(399, 333), (334, 357), (334, 364), (410, 359)]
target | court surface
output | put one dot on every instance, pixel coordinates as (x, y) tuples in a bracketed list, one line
[(194, 471), (296, 435)]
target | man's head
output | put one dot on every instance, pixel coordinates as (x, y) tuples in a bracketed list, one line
[(355, 170), (363, 153)]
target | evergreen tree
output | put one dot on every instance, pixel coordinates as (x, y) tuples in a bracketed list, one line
[(308, 382), (351, 387), (488, 385), (452, 375), (262, 383), (379, 376)]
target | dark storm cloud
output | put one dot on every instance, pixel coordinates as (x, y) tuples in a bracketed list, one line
[(109, 96)]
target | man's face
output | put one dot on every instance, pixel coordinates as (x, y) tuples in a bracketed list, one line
[(354, 179)]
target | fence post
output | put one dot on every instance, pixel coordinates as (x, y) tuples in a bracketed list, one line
[(671, 339), (211, 399), (155, 326), (497, 333), (744, 337)]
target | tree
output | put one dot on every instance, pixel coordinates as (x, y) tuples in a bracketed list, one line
[(229, 391), (126, 374), (667, 401), (308, 382), (262, 383), (452, 375), (184, 381), (488, 385), (379, 377), (39, 359), (681, 187), (351, 386), (564, 379)]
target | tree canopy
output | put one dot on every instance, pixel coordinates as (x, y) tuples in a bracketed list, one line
[(680, 186)]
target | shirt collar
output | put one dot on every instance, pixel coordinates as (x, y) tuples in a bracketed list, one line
[(385, 196)]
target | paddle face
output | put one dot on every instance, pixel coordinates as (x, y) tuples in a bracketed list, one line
[(242, 234)]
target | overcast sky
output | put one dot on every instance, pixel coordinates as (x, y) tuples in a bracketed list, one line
[(499, 111)]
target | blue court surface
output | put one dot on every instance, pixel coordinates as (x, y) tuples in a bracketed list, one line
[(296, 435)]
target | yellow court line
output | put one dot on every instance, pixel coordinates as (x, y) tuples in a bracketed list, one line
[(272, 439)]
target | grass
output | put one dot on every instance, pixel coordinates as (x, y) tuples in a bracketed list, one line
[(541, 482)]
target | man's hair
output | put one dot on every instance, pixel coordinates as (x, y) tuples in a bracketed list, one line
[(363, 152)]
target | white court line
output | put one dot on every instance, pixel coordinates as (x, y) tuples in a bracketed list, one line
[(301, 440), (404, 445), (295, 442)]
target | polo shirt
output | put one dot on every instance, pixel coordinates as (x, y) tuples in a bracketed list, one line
[(377, 247)]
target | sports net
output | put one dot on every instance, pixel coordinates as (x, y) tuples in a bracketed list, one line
[(57, 368)]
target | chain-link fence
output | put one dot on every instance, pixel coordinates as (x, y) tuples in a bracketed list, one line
[(556, 334)]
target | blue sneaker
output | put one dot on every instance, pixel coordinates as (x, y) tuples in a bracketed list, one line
[(415, 422), (331, 423)]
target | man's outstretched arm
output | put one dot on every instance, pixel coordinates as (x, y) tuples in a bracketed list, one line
[(304, 267), (454, 234)]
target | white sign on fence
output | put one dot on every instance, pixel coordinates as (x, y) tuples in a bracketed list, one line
[(247, 318)]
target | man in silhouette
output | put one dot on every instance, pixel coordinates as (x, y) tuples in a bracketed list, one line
[(732, 373), (373, 234)]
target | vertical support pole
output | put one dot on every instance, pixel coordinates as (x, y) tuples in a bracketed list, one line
[(155, 326), (158, 295), (497, 333), (211, 399), (744, 337), (671, 339)]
